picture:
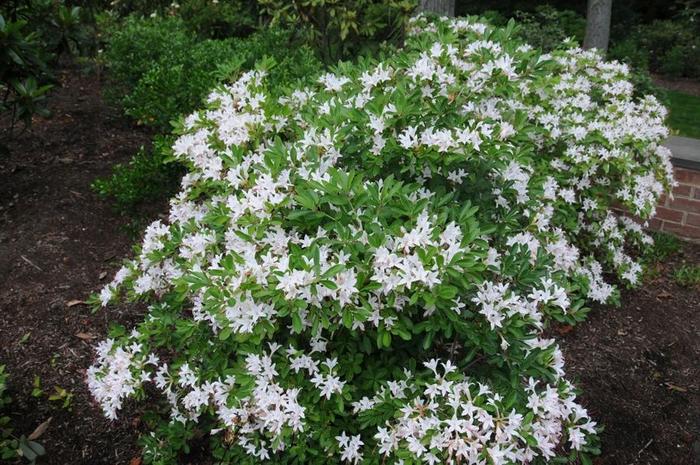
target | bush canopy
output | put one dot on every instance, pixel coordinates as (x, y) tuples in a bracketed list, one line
[(363, 270)]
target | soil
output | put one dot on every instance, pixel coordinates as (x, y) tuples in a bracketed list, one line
[(637, 365)]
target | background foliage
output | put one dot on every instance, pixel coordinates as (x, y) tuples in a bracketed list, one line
[(34, 35), (158, 71), (342, 29), (658, 36)]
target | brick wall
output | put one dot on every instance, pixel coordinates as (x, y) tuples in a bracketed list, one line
[(681, 216)]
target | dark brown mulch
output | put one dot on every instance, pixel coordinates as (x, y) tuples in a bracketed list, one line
[(685, 85), (56, 239), (639, 369), (637, 365)]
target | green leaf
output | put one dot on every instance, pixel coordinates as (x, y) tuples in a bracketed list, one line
[(36, 447), (225, 333), (297, 324), (428, 340), (386, 339), (446, 292), (16, 58), (332, 271), (403, 334)]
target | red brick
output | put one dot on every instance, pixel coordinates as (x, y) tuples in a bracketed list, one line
[(619, 211), (692, 219), (667, 214), (655, 224), (697, 193), (687, 176), (682, 230), (634, 218), (686, 205), (682, 190)]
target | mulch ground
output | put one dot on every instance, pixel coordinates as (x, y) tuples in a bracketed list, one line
[(57, 238), (638, 365), (686, 85)]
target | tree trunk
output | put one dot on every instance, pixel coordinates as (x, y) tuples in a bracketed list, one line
[(598, 25), (439, 7)]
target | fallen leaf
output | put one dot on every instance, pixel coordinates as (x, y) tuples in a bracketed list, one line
[(103, 275), (73, 303), (621, 332), (40, 430), (664, 295), (565, 329), (85, 336), (135, 461)]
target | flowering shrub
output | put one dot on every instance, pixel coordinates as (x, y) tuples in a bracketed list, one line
[(362, 271)]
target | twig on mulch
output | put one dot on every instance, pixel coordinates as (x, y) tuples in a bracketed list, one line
[(31, 263), (645, 447)]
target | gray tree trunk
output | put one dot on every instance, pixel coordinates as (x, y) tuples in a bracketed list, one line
[(598, 25), (440, 7)]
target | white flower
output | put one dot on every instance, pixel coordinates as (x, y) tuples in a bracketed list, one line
[(332, 82), (350, 447)]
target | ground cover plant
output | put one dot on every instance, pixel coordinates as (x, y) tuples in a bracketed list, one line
[(8, 444), (12, 446), (362, 270), (688, 275)]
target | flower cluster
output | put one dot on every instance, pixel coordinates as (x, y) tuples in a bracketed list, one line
[(459, 419), (361, 271)]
